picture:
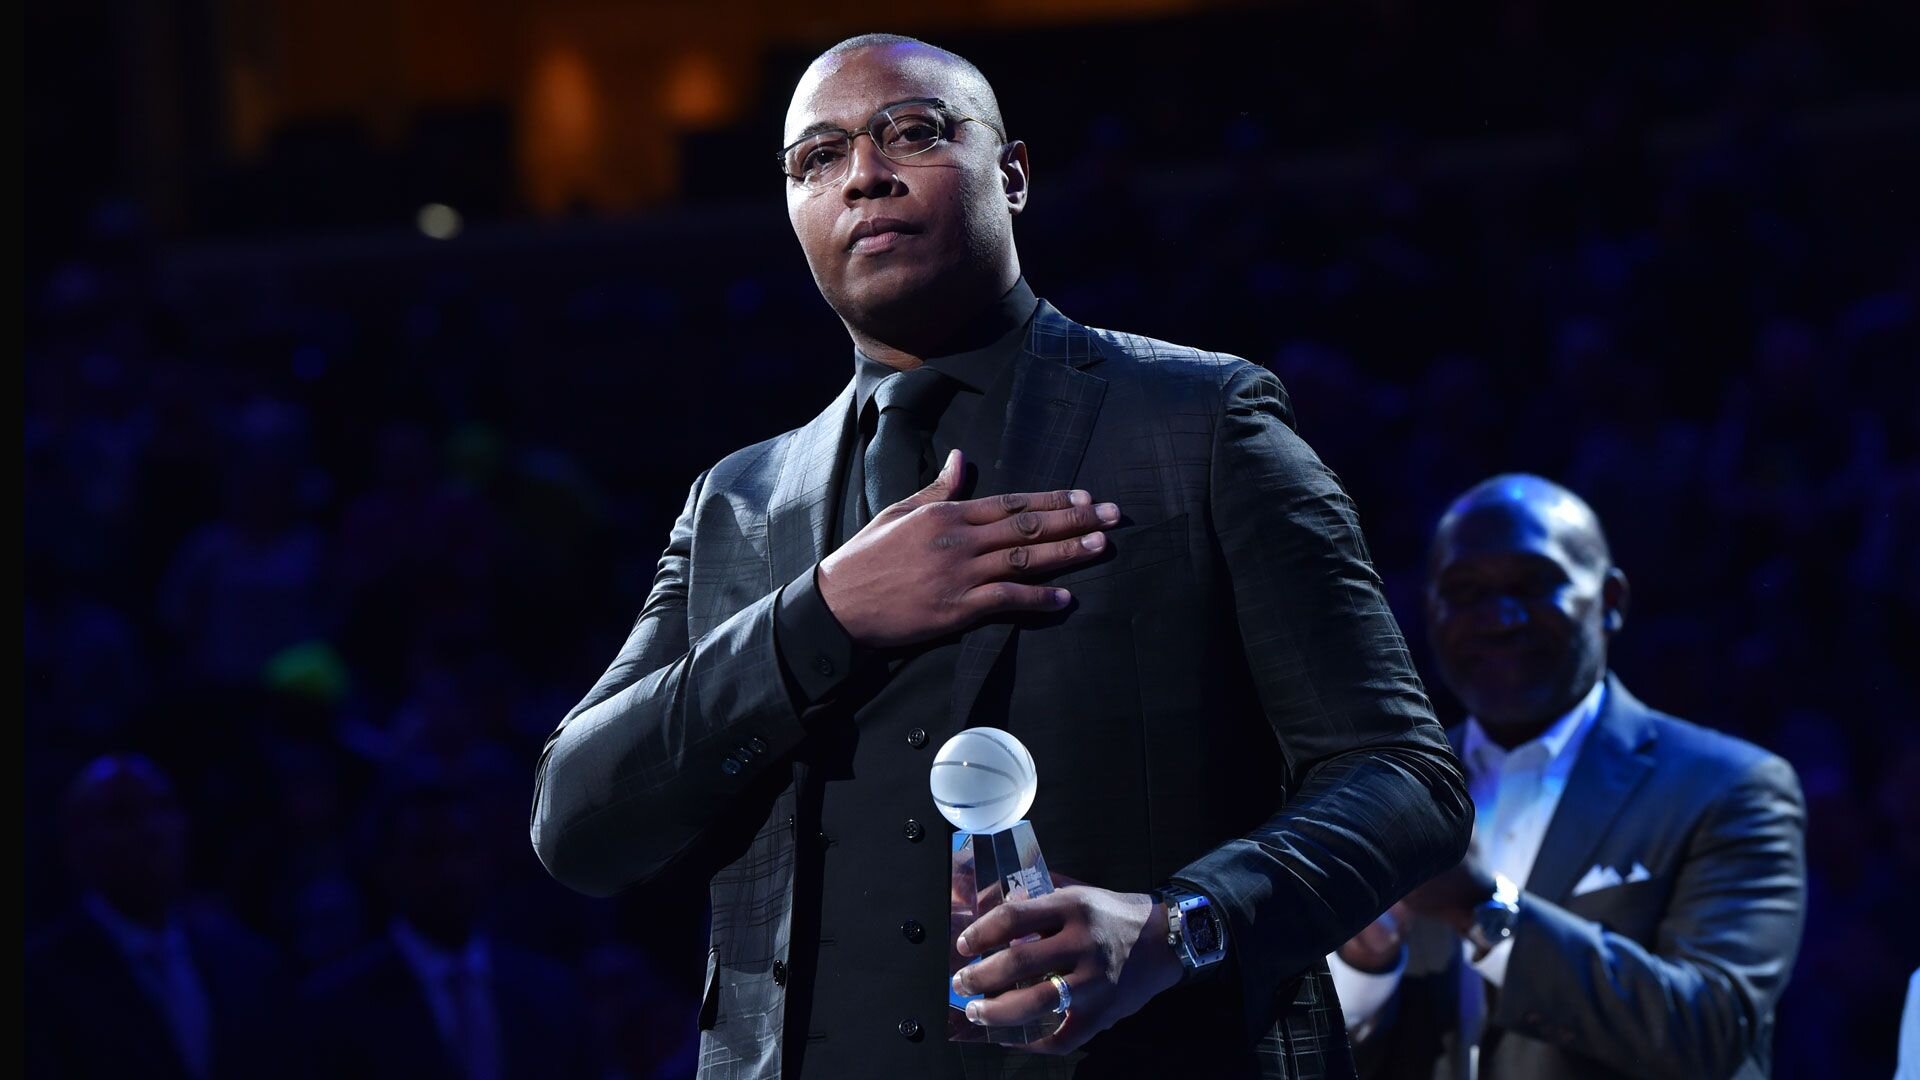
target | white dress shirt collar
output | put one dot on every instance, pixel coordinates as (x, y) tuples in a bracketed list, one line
[(434, 963), (1507, 834), (133, 938), (1481, 755)]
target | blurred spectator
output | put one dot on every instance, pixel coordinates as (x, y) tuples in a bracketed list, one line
[(142, 980), (242, 588), (1635, 892), (439, 994)]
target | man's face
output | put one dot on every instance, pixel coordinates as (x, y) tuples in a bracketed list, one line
[(940, 222), (439, 871), (1517, 618), (128, 839)]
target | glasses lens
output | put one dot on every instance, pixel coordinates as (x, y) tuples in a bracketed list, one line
[(908, 130), (818, 160)]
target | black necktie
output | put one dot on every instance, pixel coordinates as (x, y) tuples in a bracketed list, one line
[(900, 453)]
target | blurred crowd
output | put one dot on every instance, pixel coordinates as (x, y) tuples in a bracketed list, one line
[(334, 542)]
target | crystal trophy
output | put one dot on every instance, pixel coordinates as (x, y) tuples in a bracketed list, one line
[(983, 781)]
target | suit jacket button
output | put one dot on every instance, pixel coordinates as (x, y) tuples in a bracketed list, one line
[(913, 931), (730, 767), (910, 1029), (757, 744), (917, 738), (823, 665), (779, 973), (914, 830)]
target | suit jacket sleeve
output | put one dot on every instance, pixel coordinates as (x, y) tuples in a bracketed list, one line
[(1724, 949), (668, 739), (1377, 801)]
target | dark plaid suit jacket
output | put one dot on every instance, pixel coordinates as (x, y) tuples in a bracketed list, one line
[(1228, 704)]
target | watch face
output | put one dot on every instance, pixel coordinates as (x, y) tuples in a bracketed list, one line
[(1203, 931), (1495, 921)]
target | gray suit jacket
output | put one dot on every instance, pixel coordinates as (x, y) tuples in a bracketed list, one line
[(1674, 971), (1228, 703)]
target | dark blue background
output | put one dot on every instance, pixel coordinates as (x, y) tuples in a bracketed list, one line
[(313, 502)]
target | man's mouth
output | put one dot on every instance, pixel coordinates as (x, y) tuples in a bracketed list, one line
[(878, 234)]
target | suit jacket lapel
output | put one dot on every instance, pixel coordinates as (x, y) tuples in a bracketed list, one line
[(1050, 416), (803, 493), (1611, 765)]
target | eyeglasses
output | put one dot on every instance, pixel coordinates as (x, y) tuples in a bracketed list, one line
[(899, 131)]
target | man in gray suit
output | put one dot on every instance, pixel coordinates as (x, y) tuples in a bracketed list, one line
[(1115, 548), (1634, 896)]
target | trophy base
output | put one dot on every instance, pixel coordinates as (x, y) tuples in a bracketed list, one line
[(988, 869)]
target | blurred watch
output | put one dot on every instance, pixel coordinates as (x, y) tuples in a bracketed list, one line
[(1493, 921), (1196, 932)]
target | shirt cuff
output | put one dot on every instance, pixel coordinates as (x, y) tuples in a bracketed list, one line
[(1363, 994), (1493, 966), (816, 653)]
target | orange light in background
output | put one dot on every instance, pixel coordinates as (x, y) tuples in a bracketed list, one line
[(561, 131), (700, 91), (251, 111), (602, 92), (564, 102)]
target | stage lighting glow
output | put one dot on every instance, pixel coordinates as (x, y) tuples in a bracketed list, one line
[(439, 221)]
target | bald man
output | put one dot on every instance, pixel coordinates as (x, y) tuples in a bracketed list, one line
[(1115, 548), (1635, 892)]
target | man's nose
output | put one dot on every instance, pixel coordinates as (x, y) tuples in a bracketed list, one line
[(869, 174)]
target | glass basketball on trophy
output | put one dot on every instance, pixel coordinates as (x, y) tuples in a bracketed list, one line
[(983, 781)]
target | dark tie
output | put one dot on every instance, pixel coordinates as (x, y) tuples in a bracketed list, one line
[(900, 453)]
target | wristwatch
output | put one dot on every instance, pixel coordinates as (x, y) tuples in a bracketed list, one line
[(1196, 932), (1493, 920)]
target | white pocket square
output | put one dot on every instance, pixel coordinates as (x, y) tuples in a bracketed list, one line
[(1606, 877)]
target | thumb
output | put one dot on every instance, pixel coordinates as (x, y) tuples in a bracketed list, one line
[(944, 486)]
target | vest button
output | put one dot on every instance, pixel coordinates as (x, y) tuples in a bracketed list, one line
[(917, 738), (823, 665), (913, 830), (779, 973), (910, 1029), (913, 931)]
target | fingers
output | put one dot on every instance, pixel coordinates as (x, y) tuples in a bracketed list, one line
[(1389, 924), (992, 508), (1023, 961), (943, 487), (1011, 920), (1037, 528), (1011, 597), (1024, 1005), (1038, 559)]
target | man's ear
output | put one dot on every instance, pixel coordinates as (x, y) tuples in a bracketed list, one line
[(1014, 176), (1615, 595)]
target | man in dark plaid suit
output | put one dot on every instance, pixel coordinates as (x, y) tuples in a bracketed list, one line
[(1116, 548)]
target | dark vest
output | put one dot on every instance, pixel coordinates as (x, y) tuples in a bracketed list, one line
[(867, 988)]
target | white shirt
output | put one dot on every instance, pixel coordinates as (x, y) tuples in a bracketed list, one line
[(1515, 793), (458, 986), (1908, 1067), (162, 963)]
